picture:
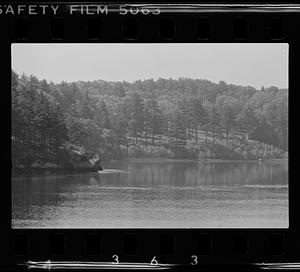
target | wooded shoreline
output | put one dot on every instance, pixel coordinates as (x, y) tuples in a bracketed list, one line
[(202, 160), (66, 125), (30, 170)]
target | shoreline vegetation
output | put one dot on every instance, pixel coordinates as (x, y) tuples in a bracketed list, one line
[(52, 168), (79, 125), (200, 160), (71, 160)]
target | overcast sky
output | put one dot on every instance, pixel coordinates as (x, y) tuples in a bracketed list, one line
[(246, 64)]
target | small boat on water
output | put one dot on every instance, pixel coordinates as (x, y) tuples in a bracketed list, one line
[(260, 160), (97, 164), (112, 171), (99, 169)]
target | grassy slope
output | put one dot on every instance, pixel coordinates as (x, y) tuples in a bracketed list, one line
[(237, 148)]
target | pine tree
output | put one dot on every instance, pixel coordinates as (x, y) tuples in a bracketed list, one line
[(136, 123), (153, 118), (102, 116), (247, 120), (86, 106), (197, 115)]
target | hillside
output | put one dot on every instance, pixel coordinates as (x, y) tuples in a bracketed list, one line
[(183, 118)]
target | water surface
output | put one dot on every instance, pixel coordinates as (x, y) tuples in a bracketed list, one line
[(156, 194)]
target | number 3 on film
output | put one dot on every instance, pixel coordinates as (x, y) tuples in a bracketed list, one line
[(194, 260), (115, 258)]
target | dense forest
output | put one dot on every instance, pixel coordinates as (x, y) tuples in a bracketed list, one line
[(164, 118)]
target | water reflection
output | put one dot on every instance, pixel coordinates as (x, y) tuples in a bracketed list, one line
[(194, 173), (147, 190)]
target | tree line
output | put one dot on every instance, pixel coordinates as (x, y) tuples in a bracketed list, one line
[(103, 117)]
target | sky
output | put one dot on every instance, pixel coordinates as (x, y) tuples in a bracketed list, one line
[(252, 64)]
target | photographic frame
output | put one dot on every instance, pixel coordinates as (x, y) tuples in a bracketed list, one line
[(111, 239)]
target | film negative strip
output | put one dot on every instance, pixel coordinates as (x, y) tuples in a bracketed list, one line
[(145, 136)]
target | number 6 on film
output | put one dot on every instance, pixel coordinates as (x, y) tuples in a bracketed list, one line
[(115, 258), (154, 261), (195, 260)]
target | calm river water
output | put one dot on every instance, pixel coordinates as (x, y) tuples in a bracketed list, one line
[(156, 194)]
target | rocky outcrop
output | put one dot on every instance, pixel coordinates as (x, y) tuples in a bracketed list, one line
[(46, 165), (69, 158)]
